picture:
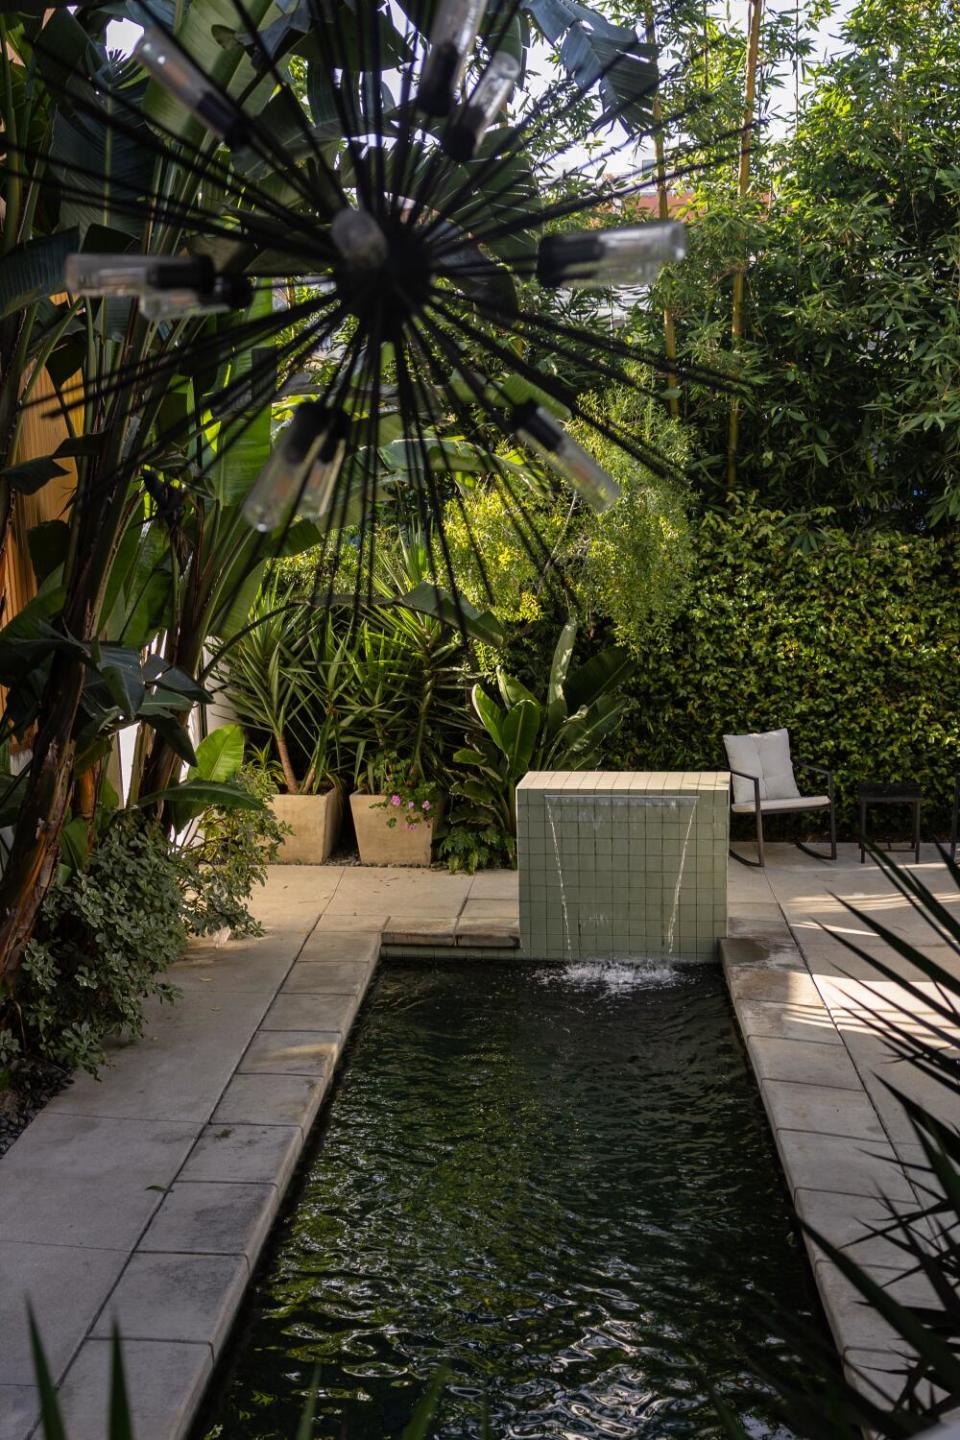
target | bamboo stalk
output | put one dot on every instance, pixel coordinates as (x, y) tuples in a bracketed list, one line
[(743, 185), (663, 213)]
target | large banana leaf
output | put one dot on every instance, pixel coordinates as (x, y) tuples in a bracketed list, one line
[(243, 444), (602, 673), (560, 664), (205, 30), (518, 736), (33, 271)]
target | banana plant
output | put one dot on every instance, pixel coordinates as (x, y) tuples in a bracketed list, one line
[(521, 733)]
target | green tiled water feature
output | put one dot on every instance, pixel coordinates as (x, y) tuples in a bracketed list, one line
[(619, 863)]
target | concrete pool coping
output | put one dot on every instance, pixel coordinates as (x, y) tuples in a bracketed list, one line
[(146, 1197)]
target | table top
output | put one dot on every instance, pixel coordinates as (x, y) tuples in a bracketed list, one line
[(901, 790)]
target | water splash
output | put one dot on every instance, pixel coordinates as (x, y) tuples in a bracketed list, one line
[(617, 976)]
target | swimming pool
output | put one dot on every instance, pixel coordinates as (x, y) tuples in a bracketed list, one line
[(556, 1179)]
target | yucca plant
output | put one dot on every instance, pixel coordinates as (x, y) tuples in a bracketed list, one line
[(286, 678)]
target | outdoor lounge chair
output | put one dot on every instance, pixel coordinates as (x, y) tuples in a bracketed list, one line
[(955, 822), (762, 783)]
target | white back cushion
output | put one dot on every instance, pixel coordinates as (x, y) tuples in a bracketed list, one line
[(766, 755)]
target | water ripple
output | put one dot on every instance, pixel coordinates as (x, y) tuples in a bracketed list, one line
[(557, 1180)]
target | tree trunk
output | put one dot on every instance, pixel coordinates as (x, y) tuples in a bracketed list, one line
[(33, 855), (743, 185), (663, 213)]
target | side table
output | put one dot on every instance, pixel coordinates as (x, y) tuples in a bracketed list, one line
[(906, 792)]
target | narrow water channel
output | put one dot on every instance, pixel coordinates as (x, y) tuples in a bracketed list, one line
[(558, 1181)]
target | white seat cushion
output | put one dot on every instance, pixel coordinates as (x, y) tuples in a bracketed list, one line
[(766, 755), (770, 807)]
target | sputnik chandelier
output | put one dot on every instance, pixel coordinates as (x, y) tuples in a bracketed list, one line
[(409, 253)]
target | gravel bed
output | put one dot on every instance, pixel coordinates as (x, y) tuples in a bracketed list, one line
[(32, 1084)]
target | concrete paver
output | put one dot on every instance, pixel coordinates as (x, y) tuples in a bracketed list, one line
[(176, 1297), (291, 1052), (209, 1218), (245, 1153), (88, 1181), (165, 1383), (844, 1141), (158, 1183), (303, 1009), (66, 1286), (272, 1100)]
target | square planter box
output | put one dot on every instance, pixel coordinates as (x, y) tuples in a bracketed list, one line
[(379, 844), (315, 821)]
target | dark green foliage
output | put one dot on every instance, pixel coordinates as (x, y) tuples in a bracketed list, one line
[(227, 858), (851, 321), (853, 647), (106, 935), (518, 732)]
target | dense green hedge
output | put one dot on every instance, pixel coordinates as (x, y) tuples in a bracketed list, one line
[(854, 647)]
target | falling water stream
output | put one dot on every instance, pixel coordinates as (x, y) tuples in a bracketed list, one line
[(558, 1180), (580, 823)]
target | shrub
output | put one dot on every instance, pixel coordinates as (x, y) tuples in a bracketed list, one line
[(219, 866), (105, 936), (853, 646)]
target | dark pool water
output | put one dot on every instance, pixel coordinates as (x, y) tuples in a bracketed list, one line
[(557, 1180)]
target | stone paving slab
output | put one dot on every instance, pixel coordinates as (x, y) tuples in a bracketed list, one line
[(165, 1382), (173, 1165), (804, 1004)]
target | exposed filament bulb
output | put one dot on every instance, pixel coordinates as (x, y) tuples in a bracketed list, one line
[(537, 428), (451, 40), (186, 82), (167, 286), (474, 119), (631, 255), (301, 473)]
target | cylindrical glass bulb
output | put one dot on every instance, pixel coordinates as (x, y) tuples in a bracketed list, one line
[(451, 40), (320, 489), (537, 428), (475, 118), (359, 239), (124, 275), (632, 255), (178, 74), (277, 488), (228, 292)]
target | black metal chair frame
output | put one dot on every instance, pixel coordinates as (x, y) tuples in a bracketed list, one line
[(955, 822), (795, 810)]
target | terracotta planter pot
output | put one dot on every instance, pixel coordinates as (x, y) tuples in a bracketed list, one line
[(315, 820), (379, 844)]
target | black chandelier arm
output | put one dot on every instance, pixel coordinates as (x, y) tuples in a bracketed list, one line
[(456, 496), (315, 148), (360, 169), (169, 361), (589, 200), (259, 137), (524, 527), (647, 457), (189, 156)]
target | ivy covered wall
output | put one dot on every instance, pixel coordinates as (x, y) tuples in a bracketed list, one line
[(854, 647)]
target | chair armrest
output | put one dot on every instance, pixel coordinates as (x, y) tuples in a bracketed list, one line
[(745, 775), (819, 769)]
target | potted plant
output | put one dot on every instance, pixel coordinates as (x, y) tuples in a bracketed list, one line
[(284, 678), (394, 817)]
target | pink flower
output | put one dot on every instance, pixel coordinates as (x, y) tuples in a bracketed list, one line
[(410, 827), (425, 805), (409, 804), (394, 799)]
